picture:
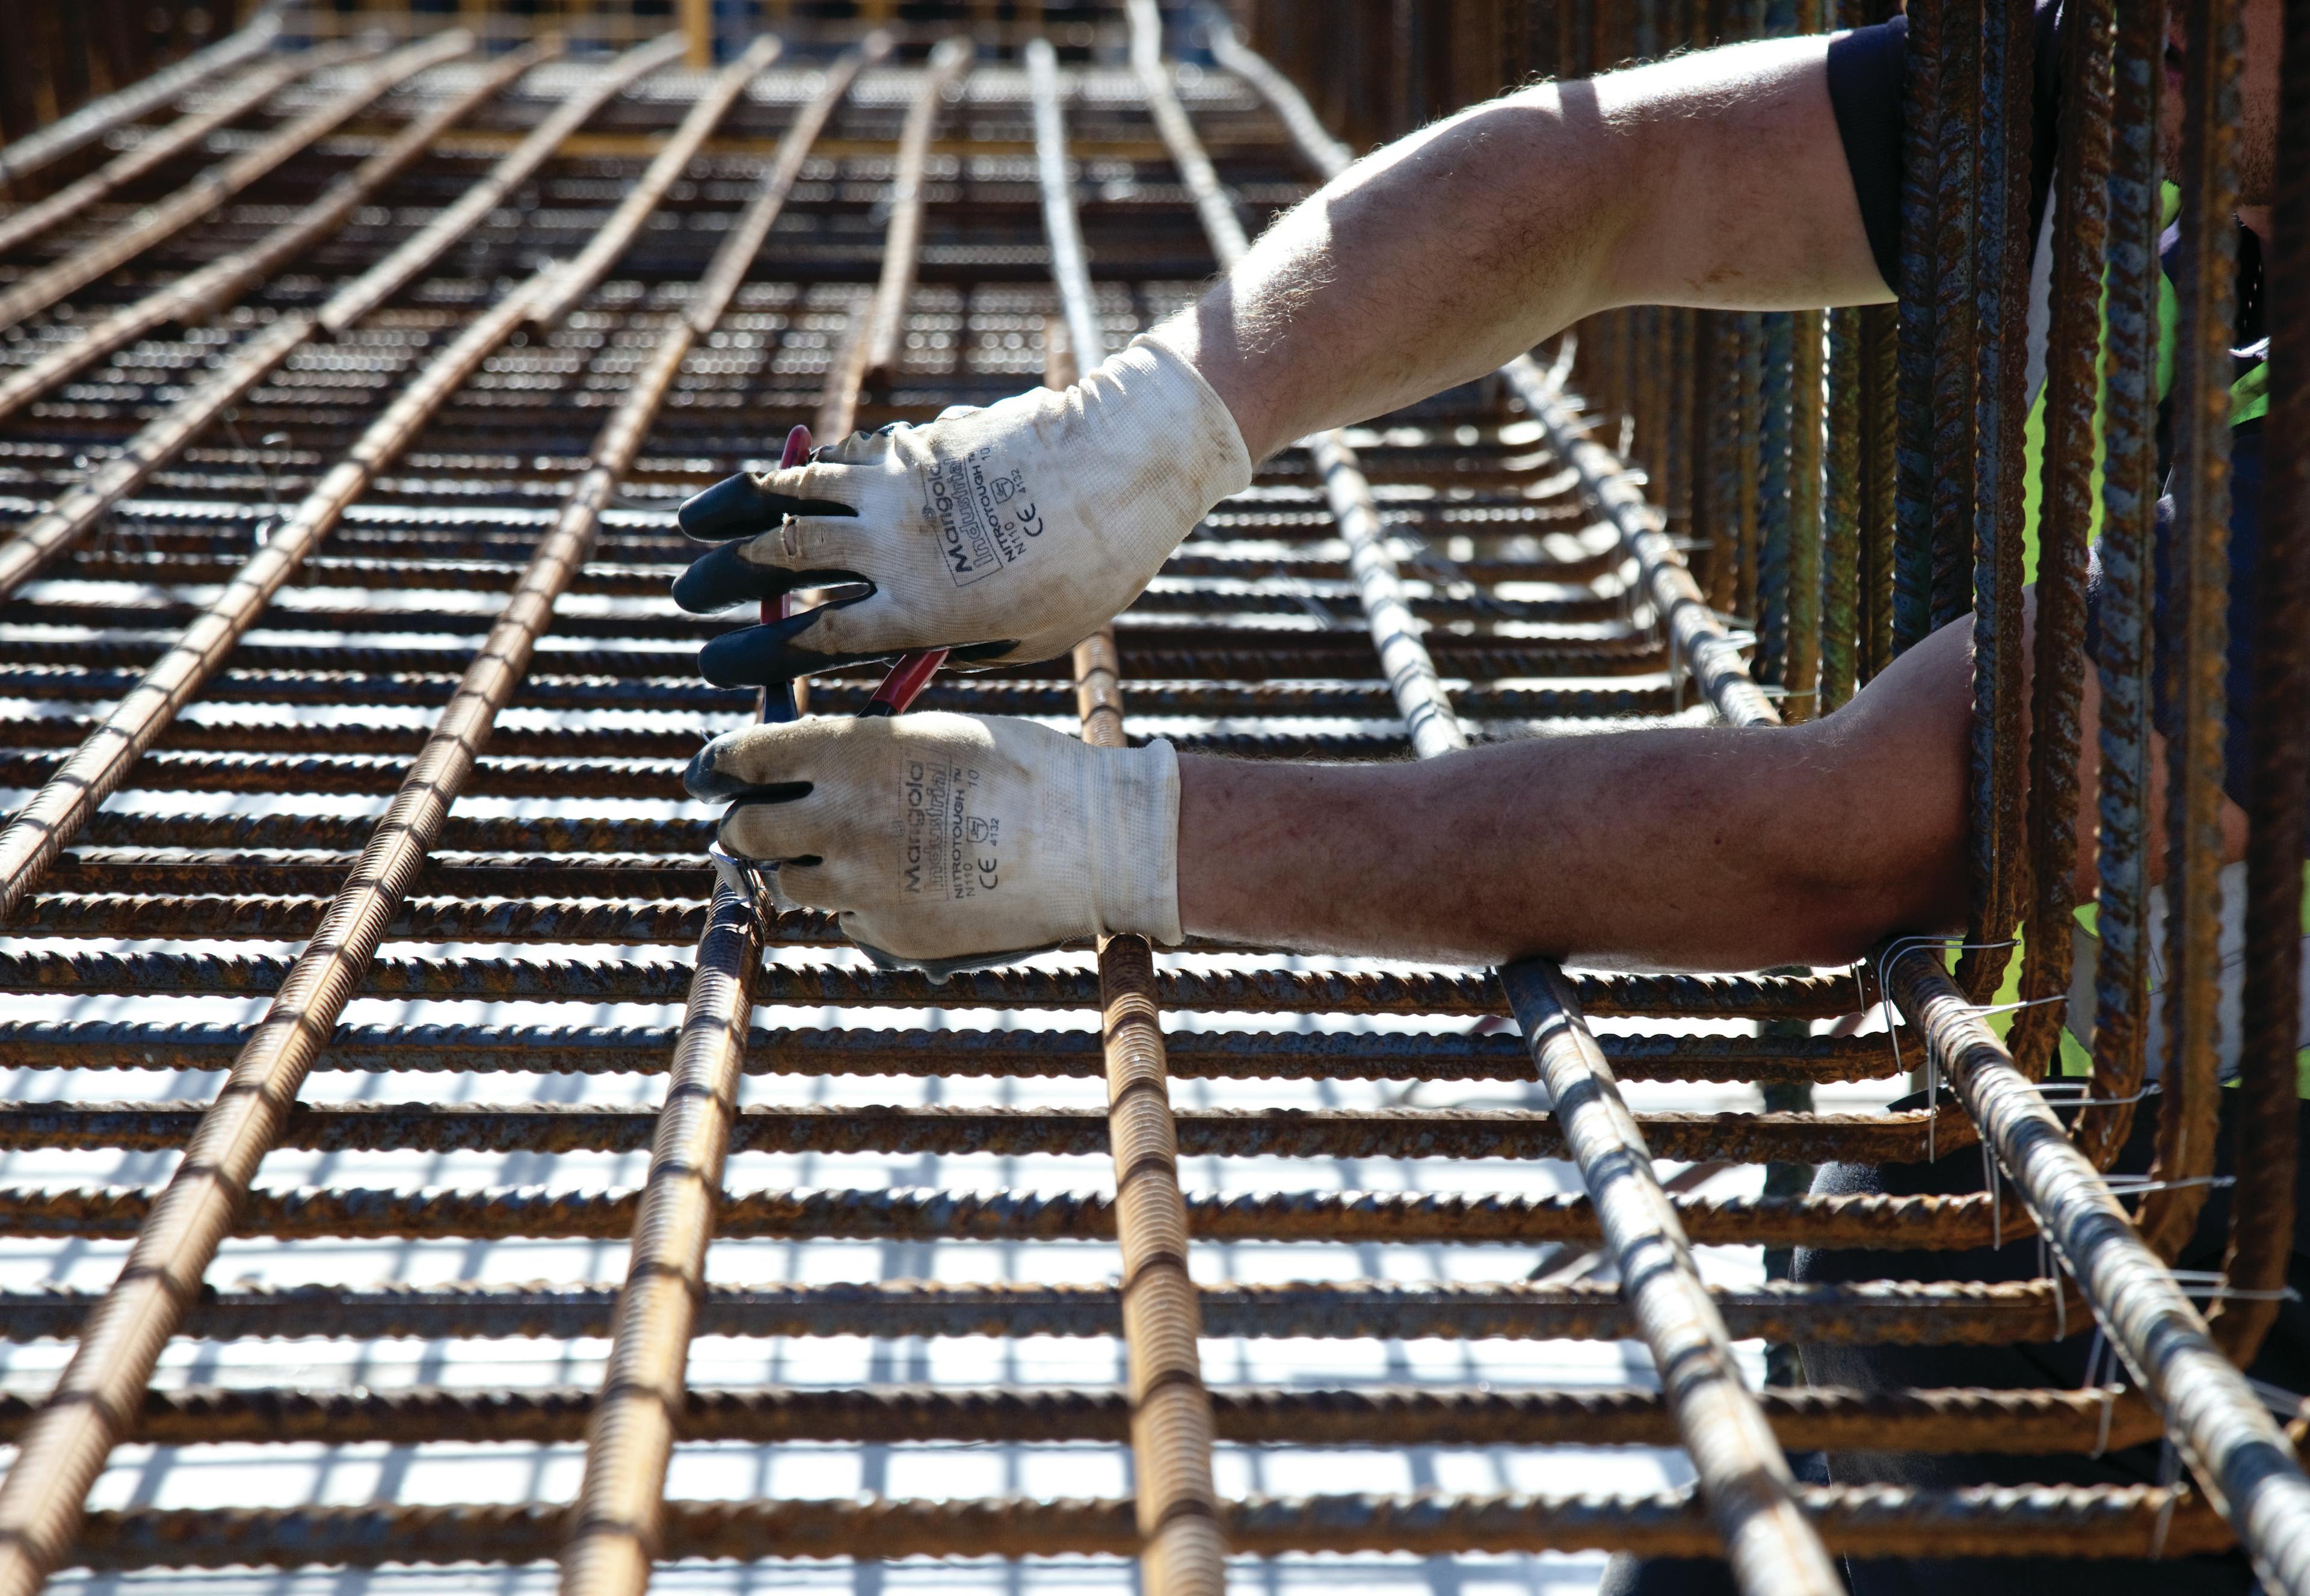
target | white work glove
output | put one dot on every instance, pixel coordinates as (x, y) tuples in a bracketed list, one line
[(948, 841), (1006, 535)]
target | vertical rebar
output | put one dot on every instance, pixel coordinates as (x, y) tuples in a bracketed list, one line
[(2278, 799), (2128, 524), (1181, 1552), (2197, 621), (617, 1532), (1952, 286), (1923, 107), (1842, 577), (1805, 517), (2000, 282), (2073, 404)]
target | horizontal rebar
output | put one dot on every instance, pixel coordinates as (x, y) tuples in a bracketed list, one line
[(947, 1052), (1803, 1418), (903, 1213), (1883, 1311), (1247, 992), (2027, 1521), (947, 1132)]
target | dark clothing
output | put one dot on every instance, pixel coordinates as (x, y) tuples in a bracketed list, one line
[(1866, 72), (1867, 69)]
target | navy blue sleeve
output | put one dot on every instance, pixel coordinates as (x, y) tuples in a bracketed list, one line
[(1868, 71), (1868, 88)]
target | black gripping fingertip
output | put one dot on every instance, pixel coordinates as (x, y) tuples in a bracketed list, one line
[(732, 508), (759, 656), (746, 505)]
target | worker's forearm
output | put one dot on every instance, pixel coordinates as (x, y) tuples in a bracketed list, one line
[(1682, 848), (1716, 178)]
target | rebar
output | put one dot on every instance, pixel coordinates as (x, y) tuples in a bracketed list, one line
[(212, 188)]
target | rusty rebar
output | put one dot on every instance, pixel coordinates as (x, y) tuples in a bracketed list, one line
[(1330, 1133), (1842, 574), (877, 339), (2015, 1422), (2072, 408), (23, 156), (2130, 491), (2215, 1418), (1701, 647), (167, 217), (1223, 1056), (2278, 798), (74, 514), (1175, 1499), (184, 135), (199, 295), (65, 1448), (1878, 1312), (2059, 1520), (2198, 621), (1950, 283), (614, 1530), (1939, 1223)]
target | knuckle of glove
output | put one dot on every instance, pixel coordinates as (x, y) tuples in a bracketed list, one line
[(752, 759)]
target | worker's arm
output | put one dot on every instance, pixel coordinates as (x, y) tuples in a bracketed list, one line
[(1009, 533), (1679, 847), (1716, 178)]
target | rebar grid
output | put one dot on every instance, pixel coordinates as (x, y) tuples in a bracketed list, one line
[(422, 441)]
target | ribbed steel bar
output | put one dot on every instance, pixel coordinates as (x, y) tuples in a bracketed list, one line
[(422, 247), (1216, 1055), (1880, 476), (2063, 1521), (1743, 1476), (165, 218), (2130, 491), (1015, 696), (68, 520), (1259, 990), (1216, 211), (614, 1534), (2000, 358), (1182, 1552), (1804, 1417), (65, 1447), (1210, 1133), (21, 158), (2198, 619), (201, 294), (1925, 107), (1880, 1313), (878, 342), (2072, 406), (1842, 564), (912, 1214), (1086, 343), (2213, 1415), (2262, 1228), (1703, 649), (1948, 282), (1806, 515), (184, 135), (96, 769)]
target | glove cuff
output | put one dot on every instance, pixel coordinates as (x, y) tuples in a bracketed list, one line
[(1180, 414), (1134, 842)]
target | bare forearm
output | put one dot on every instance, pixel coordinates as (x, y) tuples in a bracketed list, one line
[(1712, 180), (1685, 848)]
